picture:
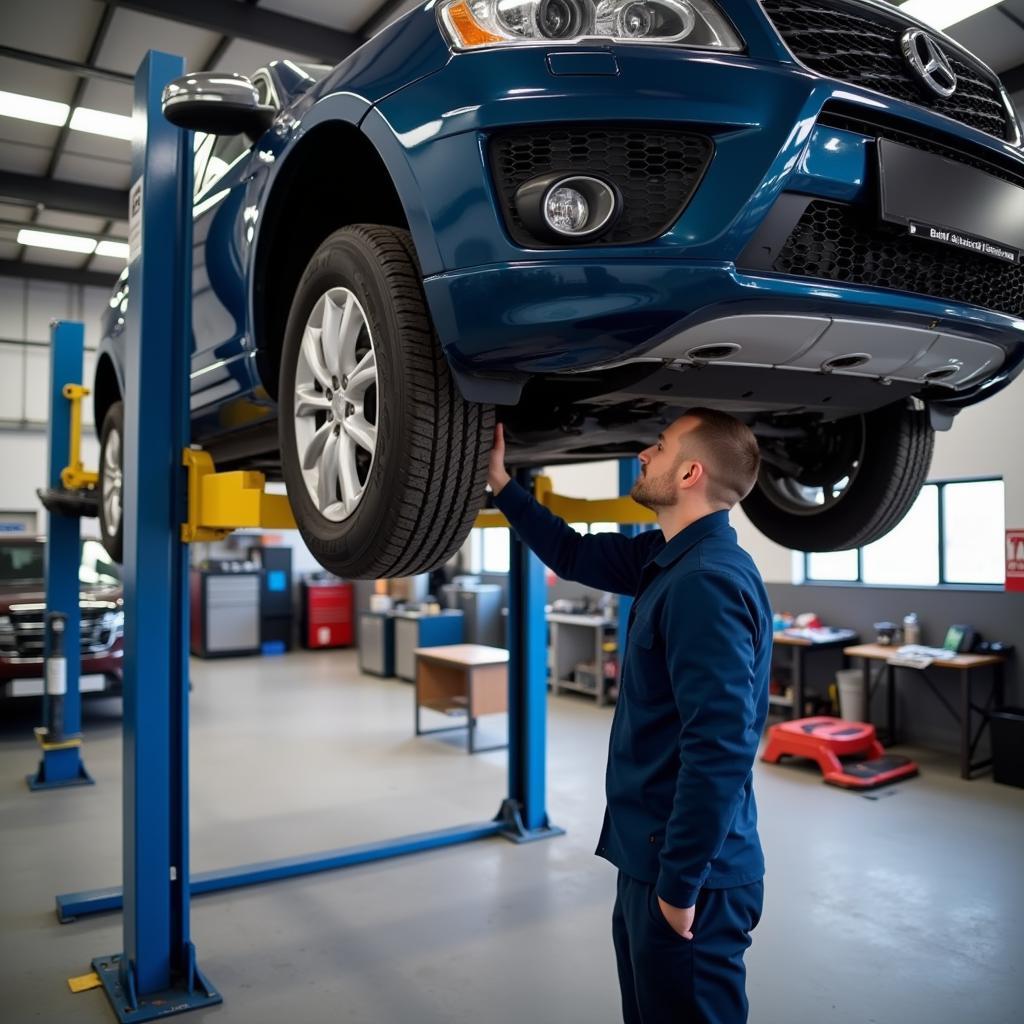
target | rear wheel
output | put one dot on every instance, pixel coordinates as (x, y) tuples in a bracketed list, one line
[(846, 483), (112, 481), (384, 461)]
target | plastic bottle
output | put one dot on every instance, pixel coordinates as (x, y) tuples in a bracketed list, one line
[(911, 629)]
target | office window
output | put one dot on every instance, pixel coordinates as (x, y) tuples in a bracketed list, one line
[(975, 524), (909, 553), (833, 565), (494, 556), (953, 534)]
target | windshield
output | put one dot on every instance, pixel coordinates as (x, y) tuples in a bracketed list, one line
[(20, 562), (25, 563)]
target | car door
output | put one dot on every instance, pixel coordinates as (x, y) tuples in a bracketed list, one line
[(222, 374)]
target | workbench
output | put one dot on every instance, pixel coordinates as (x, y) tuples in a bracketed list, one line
[(798, 649), (966, 665), (579, 640)]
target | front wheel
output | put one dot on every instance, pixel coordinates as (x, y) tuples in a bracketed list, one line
[(843, 484), (111, 481), (384, 461)]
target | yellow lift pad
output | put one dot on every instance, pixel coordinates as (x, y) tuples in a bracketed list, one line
[(221, 502)]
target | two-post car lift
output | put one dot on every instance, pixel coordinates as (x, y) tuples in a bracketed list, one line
[(170, 499)]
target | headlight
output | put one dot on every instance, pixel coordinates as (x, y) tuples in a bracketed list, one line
[(474, 24)]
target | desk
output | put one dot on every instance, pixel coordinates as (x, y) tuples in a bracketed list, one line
[(965, 665), (462, 677), (799, 648)]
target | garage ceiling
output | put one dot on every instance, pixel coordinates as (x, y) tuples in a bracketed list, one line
[(83, 53)]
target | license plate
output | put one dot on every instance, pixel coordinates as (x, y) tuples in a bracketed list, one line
[(949, 202), (92, 682)]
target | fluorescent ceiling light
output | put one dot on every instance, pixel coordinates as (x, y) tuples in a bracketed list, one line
[(99, 122), (29, 108), (119, 250), (51, 240), (941, 14)]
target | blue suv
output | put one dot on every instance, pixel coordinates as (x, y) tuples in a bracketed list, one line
[(581, 217)]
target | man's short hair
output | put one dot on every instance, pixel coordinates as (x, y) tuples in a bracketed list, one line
[(730, 454)]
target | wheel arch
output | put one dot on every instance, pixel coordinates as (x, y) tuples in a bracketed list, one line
[(106, 389), (333, 176)]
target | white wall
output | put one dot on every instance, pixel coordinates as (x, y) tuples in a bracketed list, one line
[(26, 310)]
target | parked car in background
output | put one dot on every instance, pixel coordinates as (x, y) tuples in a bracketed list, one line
[(581, 217), (23, 610)]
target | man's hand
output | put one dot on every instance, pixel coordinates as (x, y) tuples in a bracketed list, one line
[(497, 475), (679, 918)]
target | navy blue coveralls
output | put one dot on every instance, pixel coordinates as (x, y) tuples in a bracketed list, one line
[(681, 821)]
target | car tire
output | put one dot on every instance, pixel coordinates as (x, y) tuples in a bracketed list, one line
[(884, 456), (111, 483), (405, 503)]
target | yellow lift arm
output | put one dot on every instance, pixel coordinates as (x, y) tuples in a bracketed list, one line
[(221, 502), (73, 476)]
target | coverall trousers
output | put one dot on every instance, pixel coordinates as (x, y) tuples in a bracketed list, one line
[(666, 979)]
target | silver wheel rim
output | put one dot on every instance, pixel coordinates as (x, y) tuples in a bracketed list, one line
[(335, 413), (112, 482)]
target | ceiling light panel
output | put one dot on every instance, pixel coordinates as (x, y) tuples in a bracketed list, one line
[(31, 108), (99, 122), (52, 240)]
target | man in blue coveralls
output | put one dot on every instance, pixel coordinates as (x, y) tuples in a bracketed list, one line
[(681, 823)]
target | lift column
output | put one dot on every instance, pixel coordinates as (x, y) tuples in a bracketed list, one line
[(524, 812), (157, 973), (61, 763)]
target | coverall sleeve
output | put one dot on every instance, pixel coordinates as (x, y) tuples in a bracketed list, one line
[(604, 561), (710, 640)]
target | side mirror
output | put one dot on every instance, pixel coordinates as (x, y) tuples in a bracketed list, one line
[(218, 103)]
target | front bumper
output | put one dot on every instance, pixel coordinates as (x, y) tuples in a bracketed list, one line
[(23, 677), (504, 312)]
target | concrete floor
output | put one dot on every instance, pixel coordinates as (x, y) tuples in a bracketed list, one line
[(903, 909)]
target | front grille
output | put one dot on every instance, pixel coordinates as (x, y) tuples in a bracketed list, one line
[(843, 243), (657, 170), (860, 44), (95, 632), (835, 116)]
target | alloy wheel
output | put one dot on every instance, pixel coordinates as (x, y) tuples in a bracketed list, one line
[(335, 408)]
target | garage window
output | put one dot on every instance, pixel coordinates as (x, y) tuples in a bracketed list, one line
[(952, 536)]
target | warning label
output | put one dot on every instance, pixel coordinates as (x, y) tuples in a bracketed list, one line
[(1015, 560)]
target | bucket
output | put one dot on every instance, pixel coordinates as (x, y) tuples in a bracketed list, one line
[(851, 694)]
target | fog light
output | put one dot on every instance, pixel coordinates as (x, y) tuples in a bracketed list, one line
[(560, 206), (566, 210)]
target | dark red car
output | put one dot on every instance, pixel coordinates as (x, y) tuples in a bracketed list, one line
[(22, 611)]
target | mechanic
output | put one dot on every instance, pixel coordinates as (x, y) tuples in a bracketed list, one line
[(681, 822)]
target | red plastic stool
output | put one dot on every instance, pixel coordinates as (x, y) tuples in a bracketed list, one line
[(825, 740)]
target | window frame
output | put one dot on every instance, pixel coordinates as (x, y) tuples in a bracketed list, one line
[(943, 583)]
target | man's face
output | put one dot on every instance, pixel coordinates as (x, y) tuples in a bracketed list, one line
[(660, 466)]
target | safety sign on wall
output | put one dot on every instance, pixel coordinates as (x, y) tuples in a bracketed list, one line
[(1015, 560)]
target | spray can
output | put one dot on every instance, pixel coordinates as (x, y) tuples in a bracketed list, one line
[(56, 676), (911, 629)]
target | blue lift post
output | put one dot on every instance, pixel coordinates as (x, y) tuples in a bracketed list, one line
[(523, 814), (61, 763), (156, 974)]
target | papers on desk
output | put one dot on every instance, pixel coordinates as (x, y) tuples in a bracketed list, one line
[(916, 656), (820, 634), (910, 660)]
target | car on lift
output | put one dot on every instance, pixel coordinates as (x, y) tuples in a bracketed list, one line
[(23, 611), (581, 217)]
